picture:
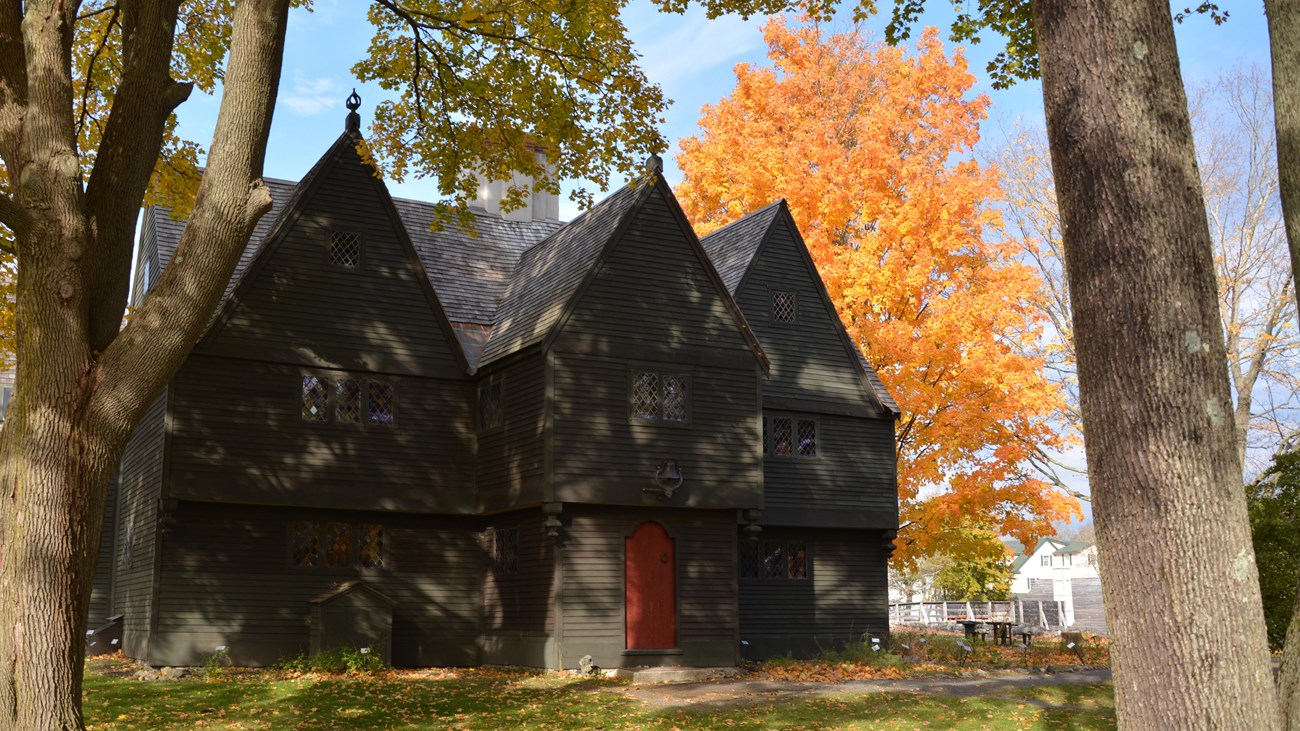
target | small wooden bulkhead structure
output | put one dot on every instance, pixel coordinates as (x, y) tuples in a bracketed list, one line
[(352, 616), (605, 437)]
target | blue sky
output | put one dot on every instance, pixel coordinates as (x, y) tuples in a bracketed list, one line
[(690, 56)]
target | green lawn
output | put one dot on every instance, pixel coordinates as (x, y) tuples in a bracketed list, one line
[(518, 700)]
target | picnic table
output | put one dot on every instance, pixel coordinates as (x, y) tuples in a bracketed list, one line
[(1001, 629)]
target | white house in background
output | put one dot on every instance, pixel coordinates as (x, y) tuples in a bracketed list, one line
[(1063, 571)]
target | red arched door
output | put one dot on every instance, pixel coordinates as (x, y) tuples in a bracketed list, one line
[(650, 571)]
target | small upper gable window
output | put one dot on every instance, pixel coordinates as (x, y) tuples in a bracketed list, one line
[(345, 249), (662, 397), (1047, 560), (784, 306)]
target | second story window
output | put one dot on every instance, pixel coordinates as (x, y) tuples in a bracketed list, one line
[(345, 400), (489, 405), (656, 396), (345, 249), (790, 436), (1047, 560)]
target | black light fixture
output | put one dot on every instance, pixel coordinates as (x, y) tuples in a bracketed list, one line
[(668, 478)]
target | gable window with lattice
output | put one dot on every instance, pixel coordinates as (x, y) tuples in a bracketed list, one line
[(784, 307), (772, 559), (659, 397), (349, 400), (489, 405), (345, 249), (789, 436)]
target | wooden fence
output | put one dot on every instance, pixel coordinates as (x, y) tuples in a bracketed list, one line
[(1045, 614)]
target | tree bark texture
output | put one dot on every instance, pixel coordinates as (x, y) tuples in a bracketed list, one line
[(1183, 605), (1284, 45), (82, 385)]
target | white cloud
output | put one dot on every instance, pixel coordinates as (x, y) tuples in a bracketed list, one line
[(677, 48), (312, 96)]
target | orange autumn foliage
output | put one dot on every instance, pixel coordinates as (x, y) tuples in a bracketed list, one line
[(870, 147)]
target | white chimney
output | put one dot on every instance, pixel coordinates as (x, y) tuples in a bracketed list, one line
[(539, 206)]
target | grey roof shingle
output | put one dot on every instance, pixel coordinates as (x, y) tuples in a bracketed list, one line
[(167, 230), (732, 247), (548, 274), (470, 273)]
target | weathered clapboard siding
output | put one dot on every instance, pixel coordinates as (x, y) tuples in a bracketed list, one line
[(1089, 605), (844, 597), (140, 481), (238, 435), (654, 305), (101, 590), (226, 580), (600, 456), (654, 290), (810, 361), (851, 483), (295, 306), (519, 608), (593, 592), (510, 461)]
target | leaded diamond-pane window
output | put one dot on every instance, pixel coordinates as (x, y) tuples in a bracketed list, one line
[(370, 552), (675, 398), (796, 555), (783, 307), (645, 395), (506, 550), (782, 436), (345, 249), (489, 406), (773, 560), (338, 544), (379, 405), (305, 551), (807, 438), (750, 564), (315, 398), (347, 401), (663, 397)]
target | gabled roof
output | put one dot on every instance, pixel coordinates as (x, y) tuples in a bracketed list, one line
[(470, 273), (735, 247), (548, 274), (1024, 555), (732, 247)]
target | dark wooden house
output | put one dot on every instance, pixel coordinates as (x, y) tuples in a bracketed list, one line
[(604, 438)]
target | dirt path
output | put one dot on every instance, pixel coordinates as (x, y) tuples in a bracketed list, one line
[(730, 693)]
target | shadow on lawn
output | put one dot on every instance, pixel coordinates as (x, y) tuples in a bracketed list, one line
[(477, 699)]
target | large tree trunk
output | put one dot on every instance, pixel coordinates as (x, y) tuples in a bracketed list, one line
[(1284, 43), (1183, 605), (81, 384)]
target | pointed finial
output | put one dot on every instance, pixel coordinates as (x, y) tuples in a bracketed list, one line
[(353, 103), (654, 164)]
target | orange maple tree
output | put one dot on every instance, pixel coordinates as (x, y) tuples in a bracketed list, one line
[(869, 145)]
